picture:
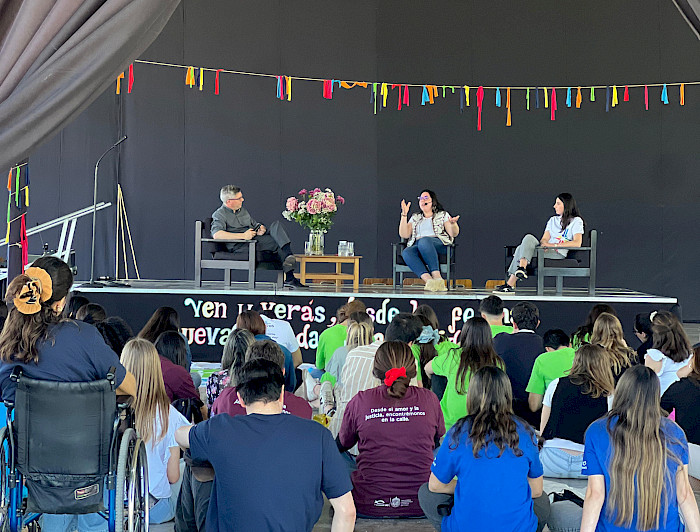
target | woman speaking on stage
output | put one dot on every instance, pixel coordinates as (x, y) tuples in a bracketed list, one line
[(428, 232), (564, 230)]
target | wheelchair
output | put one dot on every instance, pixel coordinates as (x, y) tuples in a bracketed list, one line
[(70, 448)]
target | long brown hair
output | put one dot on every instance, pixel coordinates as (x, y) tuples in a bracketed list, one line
[(163, 319), (670, 337), (251, 321), (140, 357), (591, 371), (491, 418), (639, 475), (694, 364), (579, 335), (233, 358), (475, 351), (22, 332), (392, 355), (427, 351), (607, 332)]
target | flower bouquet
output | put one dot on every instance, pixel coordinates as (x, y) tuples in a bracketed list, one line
[(313, 210)]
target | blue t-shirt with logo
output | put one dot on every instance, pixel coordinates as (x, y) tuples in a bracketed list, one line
[(271, 471), (492, 492), (597, 458)]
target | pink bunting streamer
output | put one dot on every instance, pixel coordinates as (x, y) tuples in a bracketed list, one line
[(131, 78), (646, 97), (480, 105), (553, 104), (216, 81), (327, 89), (405, 95)]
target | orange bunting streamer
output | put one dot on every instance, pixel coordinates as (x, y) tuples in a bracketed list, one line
[(432, 93), (189, 77), (578, 98), (9, 181), (347, 85), (508, 119), (119, 82), (682, 93)]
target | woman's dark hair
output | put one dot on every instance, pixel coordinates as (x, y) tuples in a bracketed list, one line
[(570, 209), (586, 329), (392, 355), (475, 351), (75, 301), (233, 358), (361, 316), (437, 206), (171, 345), (91, 313), (163, 319), (491, 418), (694, 364), (642, 324), (427, 351), (116, 333), (251, 321), (670, 337), (21, 332), (3, 314)]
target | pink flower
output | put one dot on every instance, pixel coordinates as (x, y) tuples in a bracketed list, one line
[(302, 192), (313, 206), (292, 204), (316, 191), (340, 200)]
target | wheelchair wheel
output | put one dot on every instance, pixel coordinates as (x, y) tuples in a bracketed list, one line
[(132, 485)]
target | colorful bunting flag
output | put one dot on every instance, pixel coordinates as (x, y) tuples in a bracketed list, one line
[(664, 95), (131, 78), (554, 103), (578, 98), (480, 105), (508, 119), (626, 97), (682, 93)]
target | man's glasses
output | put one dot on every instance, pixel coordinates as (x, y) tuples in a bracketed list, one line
[(236, 199)]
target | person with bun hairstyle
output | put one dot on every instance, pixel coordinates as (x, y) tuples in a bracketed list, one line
[(396, 427), (672, 351)]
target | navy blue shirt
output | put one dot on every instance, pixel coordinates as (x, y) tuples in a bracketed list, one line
[(74, 351), (271, 471)]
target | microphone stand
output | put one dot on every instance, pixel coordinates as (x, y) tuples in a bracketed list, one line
[(93, 283)]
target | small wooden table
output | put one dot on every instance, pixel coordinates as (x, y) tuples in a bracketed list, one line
[(338, 276)]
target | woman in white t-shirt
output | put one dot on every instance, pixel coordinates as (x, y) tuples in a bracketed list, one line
[(672, 351), (564, 230), (428, 232), (156, 423)]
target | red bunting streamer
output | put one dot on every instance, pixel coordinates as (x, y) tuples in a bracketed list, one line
[(24, 242), (508, 120), (119, 82), (283, 85), (553, 105), (682, 93), (327, 89), (578, 98), (405, 95), (216, 81), (646, 97), (480, 105), (131, 78), (626, 97)]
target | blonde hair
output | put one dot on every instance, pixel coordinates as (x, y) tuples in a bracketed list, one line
[(140, 357), (359, 333), (607, 332), (591, 370)]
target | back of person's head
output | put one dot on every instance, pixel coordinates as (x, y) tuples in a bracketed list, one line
[(75, 302), (251, 321), (30, 298), (670, 337), (360, 316), (491, 418), (642, 324), (639, 474), (91, 313), (405, 327), (492, 306), (395, 366), (587, 327), (233, 357), (260, 381), (171, 345), (607, 332), (427, 316), (345, 310), (525, 315), (140, 358), (694, 364), (475, 351), (555, 338), (359, 333), (591, 370), (116, 333), (266, 349), (163, 319)]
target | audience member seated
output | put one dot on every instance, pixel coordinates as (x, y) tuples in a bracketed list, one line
[(684, 397), (458, 365), (156, 421), (75, 302), (519, 352), (360, 332), (164, 319), (281, 331), (672, 351), (91, 313), (251, 321), (333, 337), (583, 333), (642, 330), (491, 309), (555, 362), (47, 347), (571, 404), (487, 471), (116, 333), (636, 461), (173, 360), (232, 361), (3, 314), (396, 428), (272, 469), (429, 345), (607, 332), (358, 371), (228, 401)]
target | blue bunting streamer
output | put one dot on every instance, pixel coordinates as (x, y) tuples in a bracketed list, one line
[(498, 96), (664, 94), (568, 97), (425, 97), (461, 100), (607, 99)]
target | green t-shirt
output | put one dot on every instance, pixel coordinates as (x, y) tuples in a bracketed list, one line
[(498, 329), (576, 342), (441, 348), (328, 341), (453, 403), (549, 366)]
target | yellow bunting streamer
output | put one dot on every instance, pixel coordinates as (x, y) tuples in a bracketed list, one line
[(578, 98), (201, 79), (682, 93), (546, 98), (466, 94), (26, 196), (508, 121), (614, 96), (385, 93), (119, 82), (289, 89)]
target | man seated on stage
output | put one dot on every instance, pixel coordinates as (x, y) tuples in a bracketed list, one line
[(232, 221), (272, 469)]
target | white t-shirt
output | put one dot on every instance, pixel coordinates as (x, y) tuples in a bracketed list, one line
[(668, 374), (559, 236), (425, 228), (281, 332), (158, 454)]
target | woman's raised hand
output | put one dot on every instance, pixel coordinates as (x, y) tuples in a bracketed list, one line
[(404, 207), (453, 219)]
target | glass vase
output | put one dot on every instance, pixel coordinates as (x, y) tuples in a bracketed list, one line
[(315, 244)]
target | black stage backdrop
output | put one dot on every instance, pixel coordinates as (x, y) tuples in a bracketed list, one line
[(632, 171)]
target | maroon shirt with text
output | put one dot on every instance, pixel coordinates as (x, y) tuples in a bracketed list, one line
[(228, 403)]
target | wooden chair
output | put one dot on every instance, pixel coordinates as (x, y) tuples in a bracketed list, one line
[(447, 264)]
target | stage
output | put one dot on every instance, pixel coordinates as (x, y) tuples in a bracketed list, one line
[(207, 313)]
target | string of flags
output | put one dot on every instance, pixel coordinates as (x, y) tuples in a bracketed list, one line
[(379, 93), (21, 196)]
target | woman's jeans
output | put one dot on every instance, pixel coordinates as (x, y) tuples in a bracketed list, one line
[(526, 250), (557, 463), (424, 253)]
